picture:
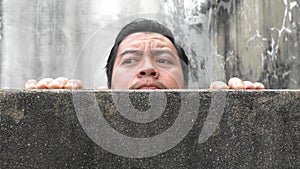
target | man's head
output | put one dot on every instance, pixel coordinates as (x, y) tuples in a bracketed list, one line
[(146, 56)]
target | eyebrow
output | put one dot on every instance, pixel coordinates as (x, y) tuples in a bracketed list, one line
[(162, 51), (130, 52), (153, 52)]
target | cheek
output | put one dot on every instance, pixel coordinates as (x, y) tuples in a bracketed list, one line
[(172, 79), (122, 78)]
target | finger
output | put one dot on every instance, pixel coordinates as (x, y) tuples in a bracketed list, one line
[(30, 84), (249, 85), (58, 83), (236, 83), (258, 85), (102, 88), (43, 84), (218, 85), (73, 84)]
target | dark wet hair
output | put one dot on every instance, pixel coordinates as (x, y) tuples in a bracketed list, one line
[(145, 25)]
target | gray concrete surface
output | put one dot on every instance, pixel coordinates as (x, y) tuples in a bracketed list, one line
[(159, 129)]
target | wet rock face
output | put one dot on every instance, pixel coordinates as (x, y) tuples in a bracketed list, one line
[(163, 129), (254, 40)]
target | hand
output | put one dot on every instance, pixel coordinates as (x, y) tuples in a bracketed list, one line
[(58, 83), (236, 83), (102, 88)]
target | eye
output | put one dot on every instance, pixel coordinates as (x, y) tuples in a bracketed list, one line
[(129, 61), (163, 61)]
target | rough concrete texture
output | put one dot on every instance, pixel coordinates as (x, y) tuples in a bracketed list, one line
[(149, 129)]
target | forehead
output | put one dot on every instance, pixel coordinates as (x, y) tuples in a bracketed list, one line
[(142, 38)]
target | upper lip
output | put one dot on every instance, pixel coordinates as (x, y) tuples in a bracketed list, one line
[(148, 83), (148, 86)]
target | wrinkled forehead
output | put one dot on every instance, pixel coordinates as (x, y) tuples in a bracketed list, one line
[(142, 39)]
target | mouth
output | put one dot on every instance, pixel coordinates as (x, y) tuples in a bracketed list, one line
[(148, 85)]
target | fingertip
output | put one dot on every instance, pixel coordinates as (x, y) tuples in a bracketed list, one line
[(239, 86), (102, 88), (249, 85), (43, 84), (31, 84), (236, 83), (73, 84), (218, 85), (55, 84), (62, 80), (58, 83), (258, 85)]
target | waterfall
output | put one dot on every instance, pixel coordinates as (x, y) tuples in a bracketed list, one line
[(248, 39)]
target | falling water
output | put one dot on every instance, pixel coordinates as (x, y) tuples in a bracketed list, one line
[(255, 40)]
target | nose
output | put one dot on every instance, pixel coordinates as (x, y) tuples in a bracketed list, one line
[(145, 72)]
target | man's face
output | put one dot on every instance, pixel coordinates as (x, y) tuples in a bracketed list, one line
[(147, 61)]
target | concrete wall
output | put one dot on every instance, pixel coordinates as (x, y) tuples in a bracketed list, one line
[(165, 129)]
